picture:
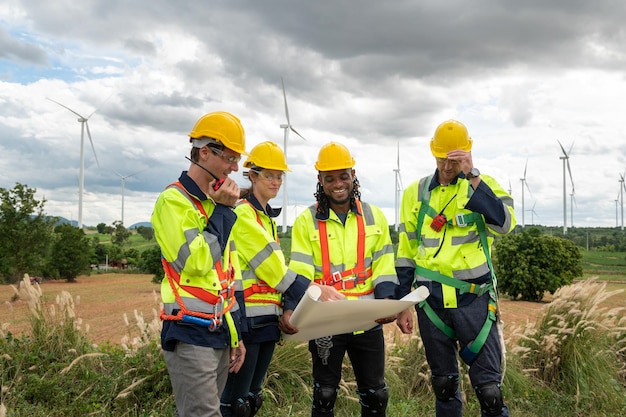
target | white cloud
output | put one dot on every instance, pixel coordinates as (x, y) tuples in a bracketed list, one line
[(520, 75)]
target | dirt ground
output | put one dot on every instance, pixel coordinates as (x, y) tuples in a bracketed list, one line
[(103, 300)]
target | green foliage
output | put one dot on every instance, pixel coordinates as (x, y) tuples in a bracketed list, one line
[(527, 264), (25, 232), (150, 263), (146, 232), (71, 252), (120, 233), (572, 364), (55, 371)]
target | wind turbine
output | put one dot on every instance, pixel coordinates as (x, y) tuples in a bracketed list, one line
[(524, 184), (398, 188), (286, 127), (123, 177), (84, 124), (619, 194), (571, 208), (565, 159), (622, 187), (533, 213)]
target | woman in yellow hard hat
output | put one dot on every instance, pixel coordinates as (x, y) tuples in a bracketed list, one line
[(266, 284)]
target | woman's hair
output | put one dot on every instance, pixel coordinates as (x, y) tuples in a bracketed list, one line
[(322, 198)]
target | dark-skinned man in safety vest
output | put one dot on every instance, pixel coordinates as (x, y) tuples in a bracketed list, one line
[(448, 222), (192, 221), (343, 242)]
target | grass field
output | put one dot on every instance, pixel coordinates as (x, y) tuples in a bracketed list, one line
[(103, 300)]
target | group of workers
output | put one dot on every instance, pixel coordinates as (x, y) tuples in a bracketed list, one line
[(228, 292)]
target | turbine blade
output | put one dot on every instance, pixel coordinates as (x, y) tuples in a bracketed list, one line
[(570, 149), (570, 175), (285, 98), (296, 132), (63, 105), (562, 148), (93, 148), (528, 188)]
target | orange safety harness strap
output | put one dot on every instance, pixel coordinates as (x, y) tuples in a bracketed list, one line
[(261, 287), (336, 279), (225, 277)]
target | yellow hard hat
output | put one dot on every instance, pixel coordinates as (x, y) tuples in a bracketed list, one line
[(267, 155), (223, 127), (334, 156), (450, 135)]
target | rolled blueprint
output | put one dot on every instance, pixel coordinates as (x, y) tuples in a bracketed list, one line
[(315, 318)]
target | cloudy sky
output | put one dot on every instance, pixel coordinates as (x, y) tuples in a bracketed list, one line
[(376, 76)]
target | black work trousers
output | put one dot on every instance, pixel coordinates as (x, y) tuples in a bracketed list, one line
[(366, 351)]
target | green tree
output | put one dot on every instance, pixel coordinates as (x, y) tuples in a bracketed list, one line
[(71, 252), (120, 233), (528, 264), (101, 228), (25, 232), (146, 232), (150, 263)]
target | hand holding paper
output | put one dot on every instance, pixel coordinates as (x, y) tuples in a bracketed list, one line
[(314, 318)]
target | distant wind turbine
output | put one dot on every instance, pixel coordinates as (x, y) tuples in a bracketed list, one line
[(524, 184), (571, 208), (398, 189), (124, 177), (84, 124), (565, 159), (533, 213), (287, 127), (622, 188)]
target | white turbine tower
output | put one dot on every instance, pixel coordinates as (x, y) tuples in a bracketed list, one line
[(124, 177), (286, 127), (533, 213), (616, 206), (571, 208), (622, 187), (524, 184), (398, 189), (84, 124), (565, 159)]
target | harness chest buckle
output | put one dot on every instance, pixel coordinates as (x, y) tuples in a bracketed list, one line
[(460, 220), (335, 277)]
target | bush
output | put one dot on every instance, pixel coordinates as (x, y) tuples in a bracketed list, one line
[(528, 264), (571, 348)]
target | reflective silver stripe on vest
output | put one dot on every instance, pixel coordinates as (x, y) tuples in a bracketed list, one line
[(464, 274), (193, 304), (267, 251), (302, 257), (265, 310)]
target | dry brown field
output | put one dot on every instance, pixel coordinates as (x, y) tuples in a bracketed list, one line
[(103, 300)]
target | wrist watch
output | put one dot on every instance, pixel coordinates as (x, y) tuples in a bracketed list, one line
[(473, 173)]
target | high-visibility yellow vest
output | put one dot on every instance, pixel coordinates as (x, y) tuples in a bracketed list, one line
[(199, 279), (456, 250), (307, 253), (264, 272)]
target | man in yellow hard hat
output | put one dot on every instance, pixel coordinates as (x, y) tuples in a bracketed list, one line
[(344, 243), (448, 224), (192, 221)]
